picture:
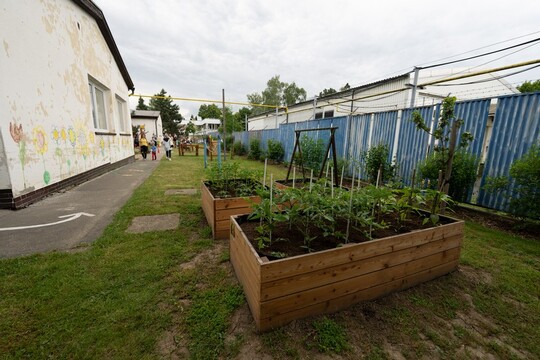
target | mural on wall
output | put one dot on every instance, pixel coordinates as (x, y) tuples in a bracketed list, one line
[(72, 150), (39, 138), (18, 137)]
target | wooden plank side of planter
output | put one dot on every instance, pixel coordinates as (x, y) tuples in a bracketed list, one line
[(207, 203), (247, 266), (333, 274), (279, 269), (299, 300), (225, 208), (356, 297)]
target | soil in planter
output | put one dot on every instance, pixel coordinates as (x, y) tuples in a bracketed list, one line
[(287, 242), (233, 188)]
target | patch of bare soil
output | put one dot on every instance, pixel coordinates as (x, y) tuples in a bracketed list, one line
[(528, 229)]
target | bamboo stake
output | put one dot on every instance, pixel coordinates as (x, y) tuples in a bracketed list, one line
[(350, 210), (293, 177), (271, 181), (373, 208), (332, 183), (264, 176), (341, 180), (311, 180)]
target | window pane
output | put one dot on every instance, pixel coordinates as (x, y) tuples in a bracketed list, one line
[(120, 110), (100, 102), (93, 104)]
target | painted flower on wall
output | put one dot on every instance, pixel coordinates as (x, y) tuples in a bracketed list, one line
[(40, 140), (16, 132), (63, 134), (72, 136)]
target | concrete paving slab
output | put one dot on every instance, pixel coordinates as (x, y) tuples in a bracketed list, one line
[(142, 224)]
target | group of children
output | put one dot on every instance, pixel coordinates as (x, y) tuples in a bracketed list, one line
[(154, 147)]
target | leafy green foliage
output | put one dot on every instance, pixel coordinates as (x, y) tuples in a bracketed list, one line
[(229, 178), (211, 111), (377, 158), (141, 105), (312, 153), (328, 91), (170, 115), (277, 93), (463, 172), (275, 150), (254, 149), (526, 173), (529, 86), (239, 148)]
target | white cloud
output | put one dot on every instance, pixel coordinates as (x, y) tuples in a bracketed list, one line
[(195, 48)]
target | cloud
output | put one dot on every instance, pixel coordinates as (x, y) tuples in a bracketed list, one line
[(195, 48)]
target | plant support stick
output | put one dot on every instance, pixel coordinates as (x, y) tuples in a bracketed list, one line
[(264, 176)]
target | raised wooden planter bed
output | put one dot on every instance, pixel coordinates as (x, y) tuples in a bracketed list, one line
[(218, 211), (292, 288)]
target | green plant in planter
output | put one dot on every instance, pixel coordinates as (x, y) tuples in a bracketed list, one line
[(268, 215), (229, 178), (375, 159)]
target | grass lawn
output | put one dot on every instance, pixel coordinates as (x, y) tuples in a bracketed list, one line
[(172, 294)]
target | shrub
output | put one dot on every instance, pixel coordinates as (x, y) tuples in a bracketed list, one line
[(239, 148), (377, 158), (229, 141), (254, 149), (275, 150), (526, 173), (464, 167), (312, 153)]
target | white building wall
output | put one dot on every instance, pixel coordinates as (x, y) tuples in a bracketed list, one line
[(366, 100), (49, 50)]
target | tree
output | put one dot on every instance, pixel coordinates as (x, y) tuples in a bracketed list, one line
[(446, 136), (170, 115), (529, 86), (141, 105), (210, 111), (240, 118), (345, 87), (277, 93), (190, 129), (328, 91)]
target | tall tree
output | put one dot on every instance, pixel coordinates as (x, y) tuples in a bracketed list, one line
[(328, 91), (211, 111), (240, 118), (345, 87), (277, 93), (529, 86), (170, 115), (141, 105)]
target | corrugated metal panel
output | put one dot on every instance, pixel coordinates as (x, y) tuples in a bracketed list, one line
[(475, 115), (384, 129), (515, 128), (413, 143), (358, 141)]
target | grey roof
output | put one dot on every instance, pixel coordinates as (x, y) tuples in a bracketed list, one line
[(94, 11), (138, 114)]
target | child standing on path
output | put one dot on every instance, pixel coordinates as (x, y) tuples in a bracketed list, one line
[(167, 147), (154, 151)]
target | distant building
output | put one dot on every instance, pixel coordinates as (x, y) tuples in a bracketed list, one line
[(150, 120), (204, 126), (64, 115), (388, 94)]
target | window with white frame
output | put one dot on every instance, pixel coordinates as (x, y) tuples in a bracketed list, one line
[(98, 102), (121, 114)]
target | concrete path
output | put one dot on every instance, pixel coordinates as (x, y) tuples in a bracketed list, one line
[(76, 216)]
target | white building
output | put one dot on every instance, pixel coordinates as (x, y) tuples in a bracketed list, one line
[(204, 126), (150, 120), (389, 94), (64, 114)]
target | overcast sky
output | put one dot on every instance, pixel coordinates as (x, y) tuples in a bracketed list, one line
[(195, 48)]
